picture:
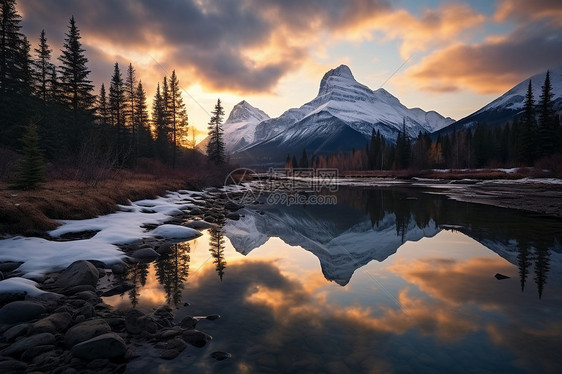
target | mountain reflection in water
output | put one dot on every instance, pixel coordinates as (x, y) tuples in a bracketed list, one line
[(429, 303)]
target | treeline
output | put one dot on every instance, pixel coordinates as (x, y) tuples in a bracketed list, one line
[(535, 135), (56, 104)]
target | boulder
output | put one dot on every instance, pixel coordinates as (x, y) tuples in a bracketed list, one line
[(54, 323), (119, 268), (119, 289), (219, 356), (85, 330), (145, 254), (20, 311), (12, 366), (108, 345), (27, 343), (196, 338), (15, 331), (501, 276), (78, 273), (189, 323), (233, 216)]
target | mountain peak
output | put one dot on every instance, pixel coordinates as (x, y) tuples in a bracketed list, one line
[(334, 77), (244, 111)]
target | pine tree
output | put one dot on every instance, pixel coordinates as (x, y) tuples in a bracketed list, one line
[(130, 102), (117, 110), (142, 124), (103, 107), (528, 135), (215, 148), (10, 47), (76, 88), (176, 113), (30, 170), (546, 118), (26, 82), (159, 121), (304, 160), (43, 67)]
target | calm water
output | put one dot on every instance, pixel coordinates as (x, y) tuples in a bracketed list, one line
[(388, 280)]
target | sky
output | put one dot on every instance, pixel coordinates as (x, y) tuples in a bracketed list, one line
[(450, 56)]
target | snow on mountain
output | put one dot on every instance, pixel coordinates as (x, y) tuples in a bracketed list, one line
[(341, 245), (341, 117), (511, 103), (240, 127)]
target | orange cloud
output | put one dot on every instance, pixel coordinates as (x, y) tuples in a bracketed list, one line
[(490, 67), (525, 10)]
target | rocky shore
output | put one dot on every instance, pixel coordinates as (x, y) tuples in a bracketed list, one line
[(69, 329)]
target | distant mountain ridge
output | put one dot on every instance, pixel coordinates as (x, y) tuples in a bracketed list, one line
[(340, 118), (509, 105)]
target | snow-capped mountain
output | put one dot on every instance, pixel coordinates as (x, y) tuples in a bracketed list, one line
[(342, 240), (239, 128), (341, 117), (511, 103)]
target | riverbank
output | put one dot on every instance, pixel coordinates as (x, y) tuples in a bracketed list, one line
[(33, 212)]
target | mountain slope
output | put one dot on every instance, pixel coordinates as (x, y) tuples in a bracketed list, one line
[(341, 117), (506, 107), (239, 128)]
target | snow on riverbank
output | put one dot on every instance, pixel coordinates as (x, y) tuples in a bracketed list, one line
[(40, 256)]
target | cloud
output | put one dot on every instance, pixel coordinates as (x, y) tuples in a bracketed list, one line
[(493, 66), (237, 46), (524, 10)]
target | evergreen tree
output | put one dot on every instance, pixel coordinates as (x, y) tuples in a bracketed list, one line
[(304, 160), (527, 141), (215, 148), (26, 82), (43, 67), (10, 47), (177, 114), (546, 118), (130, 102), (159, 121), (30, 170), (54, 86), (294, 162), (103, 107), (117, 111), (142, 124), (76, 88)]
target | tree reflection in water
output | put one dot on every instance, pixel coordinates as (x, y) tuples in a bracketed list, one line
[(137, 276), (172, 271), (216, 243)]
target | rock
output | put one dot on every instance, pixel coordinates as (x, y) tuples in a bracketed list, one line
[(119, 268), (132, 321), (501, 276), (85, 330), (189, 323), (233, 216), (12, 366), (196, 338), (77, 274), (164, 249), (232, 206), (54, 323), (15, 331), (116, 324), (29, 342), (169, 354), (9, 266), (20, 311), (76, 289), (170, 333), (32, 352), (212, 317), (119, 289), (88, 296), (219, 356), (98, 264), (98, 363), (145, 254), (177, 344), (87, 311), (199, 225), (1, 276), (108, 345)]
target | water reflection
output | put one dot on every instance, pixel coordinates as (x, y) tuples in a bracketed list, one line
[(303, 295), (172, 271), (360, 229), (216, 246)]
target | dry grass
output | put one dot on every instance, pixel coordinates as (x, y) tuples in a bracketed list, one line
[(33, 212)]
